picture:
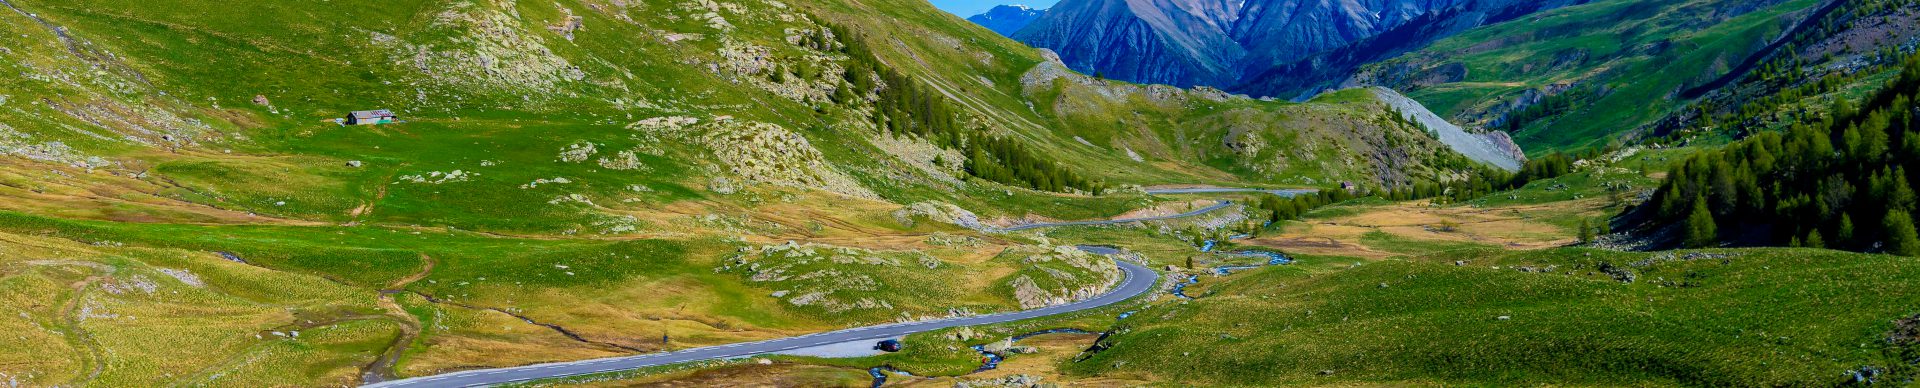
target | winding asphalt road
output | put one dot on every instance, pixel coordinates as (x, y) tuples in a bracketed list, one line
[(1137, 280)]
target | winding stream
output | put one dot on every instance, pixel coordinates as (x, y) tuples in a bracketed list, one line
[(1273, 258)]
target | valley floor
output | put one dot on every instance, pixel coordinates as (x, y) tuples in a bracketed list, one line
[(1419, 293)]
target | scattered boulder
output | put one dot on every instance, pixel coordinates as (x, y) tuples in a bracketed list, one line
[(722, 185), (578, 152), (623, 160), (963, 334), (941, 212), (436, 177), (1618, 273), (1014, 381), (568, 24), (1906, 332)]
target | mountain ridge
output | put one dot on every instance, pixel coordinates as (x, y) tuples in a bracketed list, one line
[(1007, 19), (1228, 43)]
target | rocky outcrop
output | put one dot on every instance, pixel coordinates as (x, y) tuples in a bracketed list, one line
[(941, 212), (1007, 19), (486, 49), (16, 143), (1055, 275), (832, 278), (1497, 150), (757, 152)]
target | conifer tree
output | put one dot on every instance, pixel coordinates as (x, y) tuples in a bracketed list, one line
[(1901, 197), (1901, 238), (1701, 231), (1845, 235)]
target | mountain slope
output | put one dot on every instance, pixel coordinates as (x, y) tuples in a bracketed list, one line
[(1181, 43), (1324, 69), (1595, 70), (1832, 113), (1227, 43), (1006, 19), (570, 179), (1491, 148)]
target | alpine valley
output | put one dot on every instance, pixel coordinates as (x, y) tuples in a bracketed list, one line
[(879, 193)]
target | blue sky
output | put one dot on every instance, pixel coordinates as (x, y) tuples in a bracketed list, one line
[(966, 8)]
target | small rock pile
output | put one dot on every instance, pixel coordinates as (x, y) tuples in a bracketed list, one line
[(1013, 381), (758, 152), (20, 144), (436, 177), (834, 278), (941, 212)]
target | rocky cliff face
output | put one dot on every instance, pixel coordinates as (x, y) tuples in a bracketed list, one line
[(1176, 42), (1283, 31), (1225, 43), (1007, 19)]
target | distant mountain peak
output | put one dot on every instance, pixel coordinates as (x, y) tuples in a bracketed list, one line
[(1224, 43), (1007, 19)]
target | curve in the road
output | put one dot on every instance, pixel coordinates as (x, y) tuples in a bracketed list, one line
[(1137, 280)]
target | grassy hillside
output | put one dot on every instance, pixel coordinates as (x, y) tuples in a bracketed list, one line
[(592, 178), (1851, 51), (1598, 69), (108, 314), (569, 179), (663, 93), (1550, 317)]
